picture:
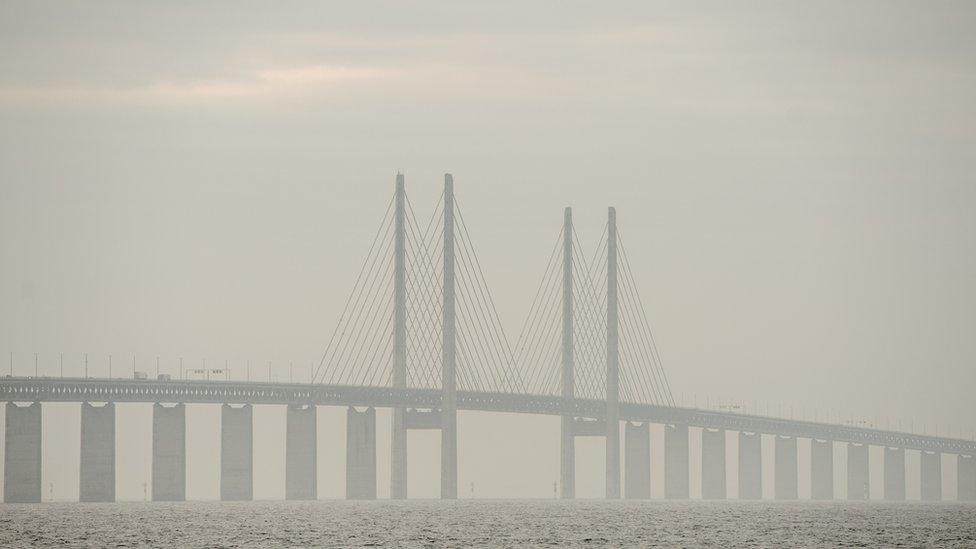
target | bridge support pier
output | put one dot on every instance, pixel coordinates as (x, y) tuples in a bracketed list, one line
[(858, 479), (676, 461), (169, 453), (567, 459), (821, 469), (236, 453), (966, 477), (750, 465), (931, 476), (713, 464), (300, 452), (360, 454), (785, 471), (398, 462), (894, 474), (97, 470), (637, 461), (22, 454)]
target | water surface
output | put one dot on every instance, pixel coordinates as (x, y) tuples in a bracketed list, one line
[(487, 523)]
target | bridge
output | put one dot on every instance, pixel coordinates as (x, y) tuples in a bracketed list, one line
[(420, 335)]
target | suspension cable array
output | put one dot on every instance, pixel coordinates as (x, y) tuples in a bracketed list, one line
[(537, 351), (363, 348)]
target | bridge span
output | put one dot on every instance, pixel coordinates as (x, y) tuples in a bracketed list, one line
[(423, 411), (26, 389)]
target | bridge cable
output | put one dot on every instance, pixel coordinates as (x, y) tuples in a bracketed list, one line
[(525, 322), (591, 328), (370, 291), (526, 339), (355, 296), (428, 284), (646, 327), (492, 336), (424, 314), (545, 340), (499, 334), (644, 322), (358, 278), (365, 332)]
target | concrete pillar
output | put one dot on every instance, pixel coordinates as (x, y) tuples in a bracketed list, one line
[(637, 460), (97, 470), (613, 364), (785, 472), (398, 462), (821, 469), (858, 479), (750, 465), (567, 459), (567, 445), (676, 461), (894, 474), (300, 452), (361, 454), (931, 476), (449, 350), (236, 453), (713, 464), (966, 477), (22, 454), (169, 453)]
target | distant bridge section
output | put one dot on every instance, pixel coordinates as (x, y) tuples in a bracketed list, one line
[(26, 389)]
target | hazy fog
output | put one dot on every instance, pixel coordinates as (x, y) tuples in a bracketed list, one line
[(794, 183)]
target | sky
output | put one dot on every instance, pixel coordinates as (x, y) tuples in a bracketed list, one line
[(794, 183)]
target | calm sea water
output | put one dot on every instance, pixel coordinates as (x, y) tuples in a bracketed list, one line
[(484, 523)]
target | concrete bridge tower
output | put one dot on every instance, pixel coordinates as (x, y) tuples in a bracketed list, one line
[(398, 473), (613, 363), (567, 446), (449, 364)]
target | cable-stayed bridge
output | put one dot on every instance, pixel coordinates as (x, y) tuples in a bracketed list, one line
[(420, 334)]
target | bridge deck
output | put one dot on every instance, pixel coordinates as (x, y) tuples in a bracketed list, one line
[(21, 389)]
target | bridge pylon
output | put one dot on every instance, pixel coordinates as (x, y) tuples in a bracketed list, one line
[(613, 363), (398, 462), (449, 346), (567, 446)]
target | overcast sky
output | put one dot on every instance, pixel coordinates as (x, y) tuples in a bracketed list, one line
[(794, 182)]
